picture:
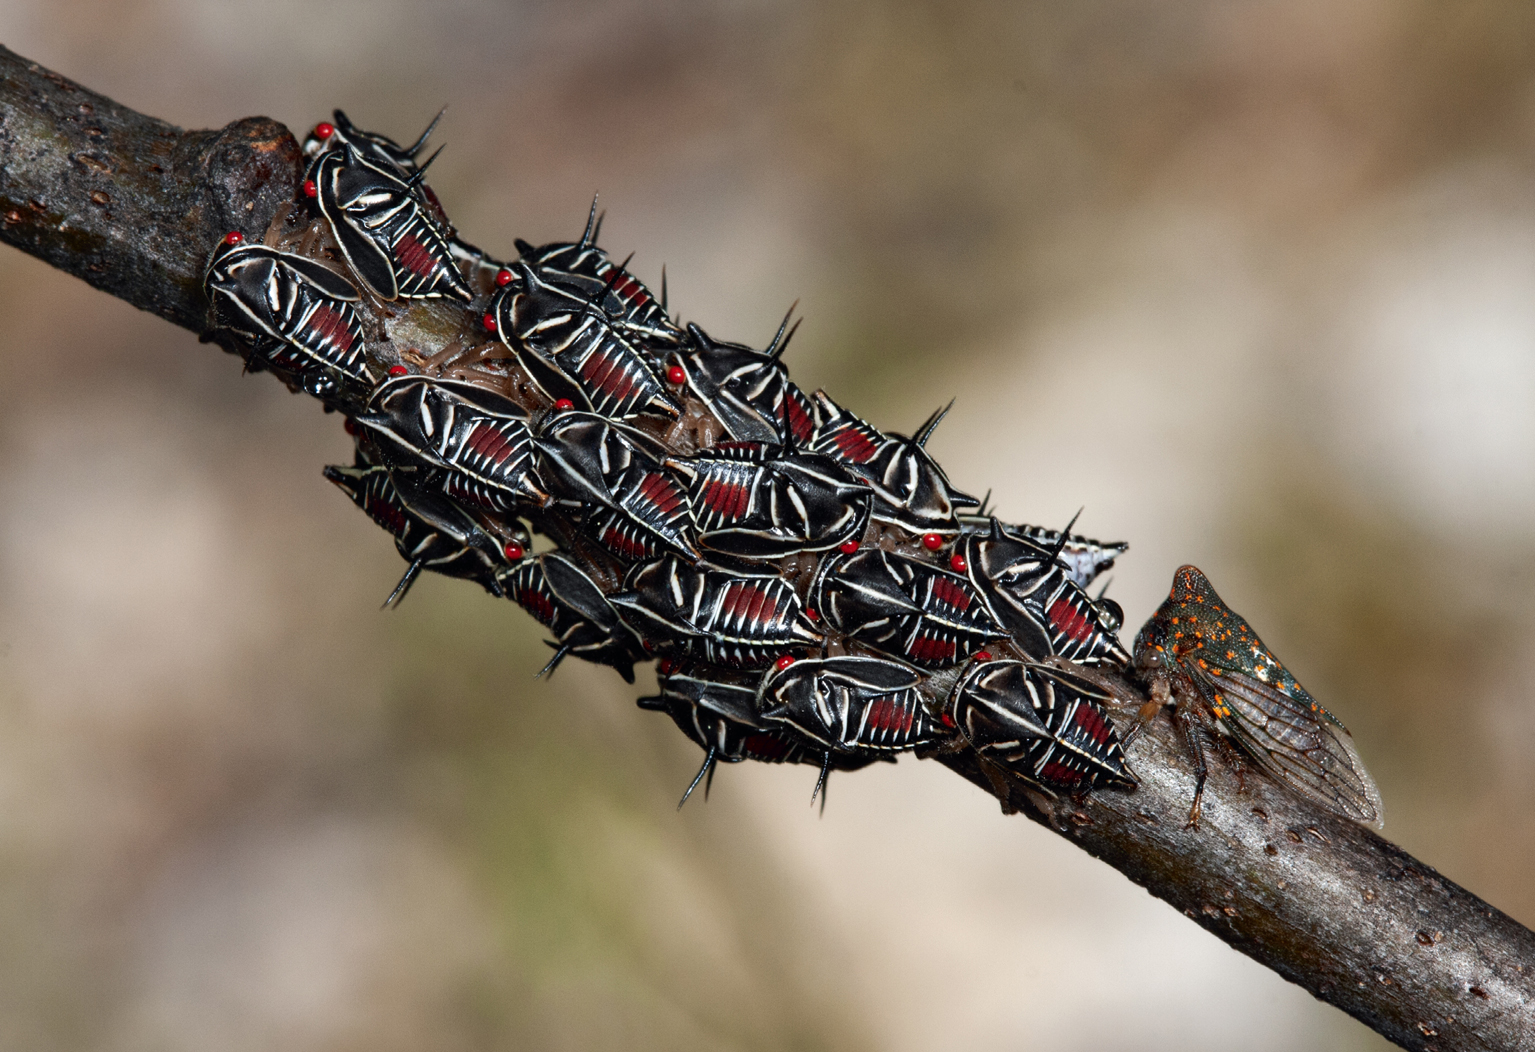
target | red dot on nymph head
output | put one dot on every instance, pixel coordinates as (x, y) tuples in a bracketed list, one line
[(234, 237), (324, 130), (311, 189), (784, 662), (676, 375), (564, 403), (814, 615), (932, 541), (847, 547), (983, 655), (503, 277), (489, 322), (397, 370), (958, 562), (514, 551)]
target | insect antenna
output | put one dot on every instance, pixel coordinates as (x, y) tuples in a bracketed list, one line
[(1103, 591), (706, 769), (411, 573), (663, 286), (984, 501)]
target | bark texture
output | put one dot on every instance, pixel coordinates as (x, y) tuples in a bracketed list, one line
[(128, 203), (134, 206), (1324, 902)]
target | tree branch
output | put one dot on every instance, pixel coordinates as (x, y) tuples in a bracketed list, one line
[(1324, 902), (134, 206), (126, 202)]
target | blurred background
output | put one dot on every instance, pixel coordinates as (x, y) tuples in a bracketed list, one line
[(1250, 282)]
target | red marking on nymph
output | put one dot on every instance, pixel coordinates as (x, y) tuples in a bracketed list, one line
[(513, 551), (800, 423), (749, 603), (489, 442), (622, 543), (1058, 773), (784, 662), (661, 493), (766, 747), (880, 715), (730, 499), (331, 328), (608, 375), (234, 237), (888, 714), (951, 593), (390, 516), (536, 603), (1069, 621), (466, 492), (1088, 719), (854, 445), (397, 370), (927, 648), (416, 257), (324, 130)]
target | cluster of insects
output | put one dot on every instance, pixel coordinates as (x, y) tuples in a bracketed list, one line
[(814, 589)]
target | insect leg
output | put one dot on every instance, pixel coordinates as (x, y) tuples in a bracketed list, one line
[(1001, 782), (554, 662), (411, 573), (707, 768), (1161, 697), (1233, 755), (1189, 726), (820, 783)]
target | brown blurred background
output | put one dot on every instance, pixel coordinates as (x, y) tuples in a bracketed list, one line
[(1252, 282)]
